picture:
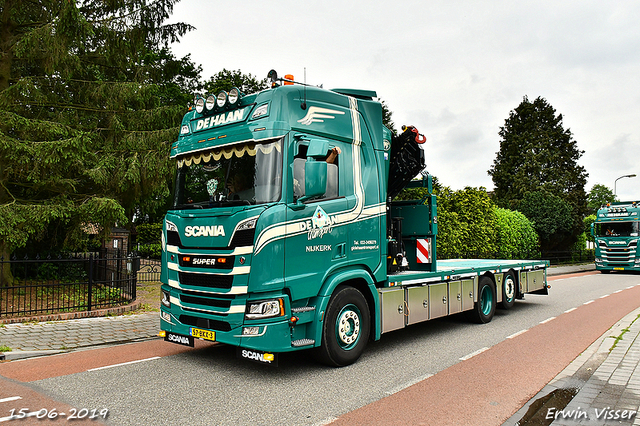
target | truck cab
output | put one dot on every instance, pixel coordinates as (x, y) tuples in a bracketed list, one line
[(616, 233), (267, 219)]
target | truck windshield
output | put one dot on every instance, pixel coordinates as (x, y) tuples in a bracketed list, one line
[(616, 229), (241, 174)]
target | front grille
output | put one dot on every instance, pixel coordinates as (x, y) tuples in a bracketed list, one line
[(206, 301), (206, 280), (205, 323)]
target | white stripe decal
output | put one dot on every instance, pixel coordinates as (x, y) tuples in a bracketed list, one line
[(238, 270), (235, 252), (234, 290), (233, 309)]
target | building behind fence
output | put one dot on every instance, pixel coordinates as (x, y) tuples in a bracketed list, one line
[(67, 283)]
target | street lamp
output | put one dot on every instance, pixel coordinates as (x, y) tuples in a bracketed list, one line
[(616, 181)]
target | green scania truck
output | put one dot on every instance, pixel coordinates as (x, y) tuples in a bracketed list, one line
[(284, 234), (615, 231)]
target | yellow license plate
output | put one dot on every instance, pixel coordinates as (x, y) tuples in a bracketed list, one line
[(618, 269), (203, 334)]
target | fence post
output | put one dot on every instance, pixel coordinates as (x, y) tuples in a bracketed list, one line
[(90, 282)]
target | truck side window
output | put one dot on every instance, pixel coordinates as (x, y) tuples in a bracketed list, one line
[(299, 161)]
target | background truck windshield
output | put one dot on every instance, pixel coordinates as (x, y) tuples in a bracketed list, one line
[(242, 174), (616, 229)]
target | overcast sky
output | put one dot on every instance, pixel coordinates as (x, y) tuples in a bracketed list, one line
[(454, 69)]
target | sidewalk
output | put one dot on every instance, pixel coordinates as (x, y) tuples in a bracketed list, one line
[(600, 387), (51, 337)]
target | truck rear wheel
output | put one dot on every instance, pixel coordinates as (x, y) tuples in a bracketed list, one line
[(508, 291), (485, 307), (345, 330)]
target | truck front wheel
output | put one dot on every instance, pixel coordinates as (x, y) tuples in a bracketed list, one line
[(485, 307), (345, 330)]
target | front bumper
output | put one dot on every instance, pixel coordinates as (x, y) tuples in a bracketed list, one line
[(273, 336)]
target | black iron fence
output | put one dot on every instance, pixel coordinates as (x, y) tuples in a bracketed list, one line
[(66, 283), (148, 268)]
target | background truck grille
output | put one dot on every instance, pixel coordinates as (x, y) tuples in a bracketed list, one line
[(618, 253)]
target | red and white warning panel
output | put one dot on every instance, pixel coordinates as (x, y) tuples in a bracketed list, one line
[(423, 250)]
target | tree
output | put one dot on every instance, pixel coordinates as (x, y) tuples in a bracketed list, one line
[(588, 221), (387, 120), (538, 154), (227, 80), (599, 196), (90, 100), (552, 218)]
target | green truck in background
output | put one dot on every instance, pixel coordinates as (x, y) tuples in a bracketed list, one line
[(615, 233), (284, 236)]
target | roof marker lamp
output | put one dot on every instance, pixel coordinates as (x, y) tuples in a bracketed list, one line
[(211, 102), (221, 101), (234, 96), (199, 105)]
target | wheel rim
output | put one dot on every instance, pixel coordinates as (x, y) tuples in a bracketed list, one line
[(348, 327), (509, 289), (486, 300)]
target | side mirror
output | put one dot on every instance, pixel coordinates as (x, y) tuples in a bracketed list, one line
[(592, 231), (315, 170), (315, 178)]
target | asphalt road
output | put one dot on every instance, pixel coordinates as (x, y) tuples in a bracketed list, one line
[(210, 386)]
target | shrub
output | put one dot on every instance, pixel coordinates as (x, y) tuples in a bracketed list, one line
[(516, 238)]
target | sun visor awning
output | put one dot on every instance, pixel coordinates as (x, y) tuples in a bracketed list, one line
[(227, 152)]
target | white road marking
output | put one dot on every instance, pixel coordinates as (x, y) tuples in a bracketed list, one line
[(547, 320), (472, 354), (517, 334), (12, 398), (570, 310), (124, 363), (408, 384), (586, 303)]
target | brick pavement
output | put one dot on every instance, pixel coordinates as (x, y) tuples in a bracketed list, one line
[(43, 338)]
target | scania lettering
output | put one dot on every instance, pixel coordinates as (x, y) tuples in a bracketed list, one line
[(291, 190), (616, 235), (203, 231)]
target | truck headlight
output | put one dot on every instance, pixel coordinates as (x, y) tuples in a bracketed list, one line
[(247, 224), (171, 227), (265, 309), (166, 301)]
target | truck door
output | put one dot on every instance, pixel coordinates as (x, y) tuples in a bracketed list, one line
[(316, 239)]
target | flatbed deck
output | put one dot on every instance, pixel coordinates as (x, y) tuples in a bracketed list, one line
[(461, 268)]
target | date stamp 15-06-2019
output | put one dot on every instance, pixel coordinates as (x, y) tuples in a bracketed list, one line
[(43, 413)]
